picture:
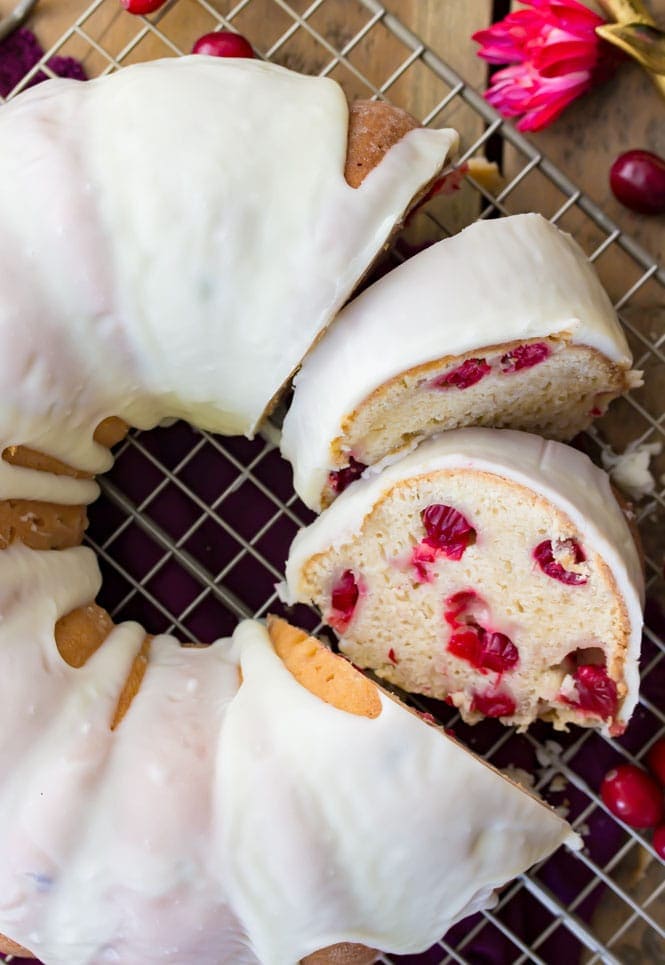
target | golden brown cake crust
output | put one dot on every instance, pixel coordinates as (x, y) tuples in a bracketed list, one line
[(346, 953), (374, 127), (325, 674)]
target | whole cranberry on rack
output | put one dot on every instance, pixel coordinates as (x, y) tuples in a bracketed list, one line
[(223, 43), (633, 796), (142, 6), (637, 180), (656, 760), (659, 841)]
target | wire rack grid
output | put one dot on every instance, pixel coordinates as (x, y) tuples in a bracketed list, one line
[(192, 530)]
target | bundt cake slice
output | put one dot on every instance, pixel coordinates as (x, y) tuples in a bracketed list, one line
[(488, 568), (504, 325)]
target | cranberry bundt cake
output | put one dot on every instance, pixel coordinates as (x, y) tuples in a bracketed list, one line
[(174, 238), (505, 324), (489, 568), (228, 814)]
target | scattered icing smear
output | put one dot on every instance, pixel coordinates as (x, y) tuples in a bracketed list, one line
[(630, 470)]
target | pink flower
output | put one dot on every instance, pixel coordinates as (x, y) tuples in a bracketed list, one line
[(556, 56)]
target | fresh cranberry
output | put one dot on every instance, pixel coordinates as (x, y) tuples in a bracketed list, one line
[(637, 179), (343, 601), (493, 705), (464, 376), (525, 357), (659, 841), (341, 478), (223, 43), (447, 530), (142, 6), (633, 796), (596, 691), (544, 554), (656, 760)]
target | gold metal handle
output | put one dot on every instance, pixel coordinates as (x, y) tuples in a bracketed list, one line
[(626, 11), (631, 12)]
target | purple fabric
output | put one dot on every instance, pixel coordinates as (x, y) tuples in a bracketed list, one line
[(20, 51)]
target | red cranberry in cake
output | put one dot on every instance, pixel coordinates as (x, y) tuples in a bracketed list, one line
[(633, 796), (556, 559), (341, 478), (422, 558), (448, 531), (343, 600), (461, 605), (467, 644), (493, 704), (484, 649), (464, 376), (499, 653), (527, 601), (392, 657), (596, 692), (525, 356)]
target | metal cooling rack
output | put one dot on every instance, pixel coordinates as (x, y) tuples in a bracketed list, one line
[(193, 530)]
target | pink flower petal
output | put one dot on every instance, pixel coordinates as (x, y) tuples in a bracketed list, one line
[(555, 56)]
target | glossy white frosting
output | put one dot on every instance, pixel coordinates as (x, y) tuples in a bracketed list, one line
[(222, 822), (497, 281), (174, 237), (563, 475)]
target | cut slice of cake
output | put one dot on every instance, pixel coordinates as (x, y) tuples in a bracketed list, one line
[(504, 325), (489, 568)]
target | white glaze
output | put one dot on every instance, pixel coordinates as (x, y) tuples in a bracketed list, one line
[(226, 823), (174, 237), (564, 476), (497, 281)]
